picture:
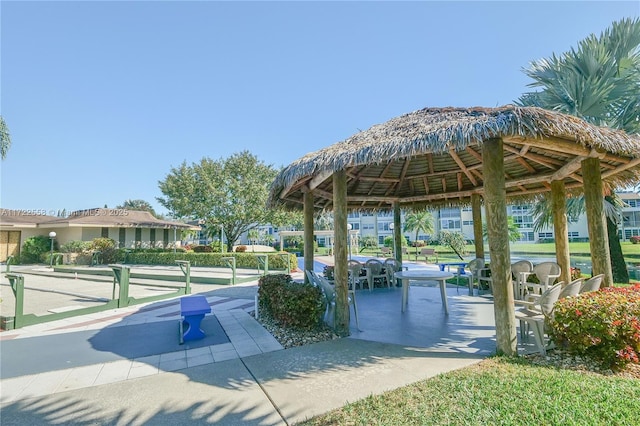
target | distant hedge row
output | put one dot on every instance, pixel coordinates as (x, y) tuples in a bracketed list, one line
[(243, 260)]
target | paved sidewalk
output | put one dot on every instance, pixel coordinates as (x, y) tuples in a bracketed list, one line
[(248, 380)]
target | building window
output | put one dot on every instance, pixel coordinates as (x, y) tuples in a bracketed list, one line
[(383, 226), (152, 237), (545, 235), (105, 233), (138, 236), (165, 237), (354, 225), (122, 234), (467, 222), (449, 224)]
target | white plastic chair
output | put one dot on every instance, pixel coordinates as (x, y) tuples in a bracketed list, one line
[(391, 266), (329, 292), (520, 270), (547, 273), (355, 279), (474, 268), (592, 284), (536, 318), (375, 271)]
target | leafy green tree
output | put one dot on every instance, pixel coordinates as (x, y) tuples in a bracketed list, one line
[(5, 138), (599, 82), (455, 240), (419, 222), (230, 192), (323, 221), (369, 242), (137, 205)]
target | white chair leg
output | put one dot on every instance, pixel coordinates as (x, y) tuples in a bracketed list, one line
[(355, 309), (538, 333)]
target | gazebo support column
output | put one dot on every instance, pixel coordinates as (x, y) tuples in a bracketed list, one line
[(476, 211), (308, 233), (596, 221), (341, 271), (498, 233), (561, 229), (397, 233)]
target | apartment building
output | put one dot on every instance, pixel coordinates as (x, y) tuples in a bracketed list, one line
[(460, 219)]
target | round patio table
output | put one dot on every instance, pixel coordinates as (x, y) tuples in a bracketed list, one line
[(423, 275)]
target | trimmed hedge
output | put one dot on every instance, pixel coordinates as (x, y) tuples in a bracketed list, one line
[(243, 260), (291, 304)]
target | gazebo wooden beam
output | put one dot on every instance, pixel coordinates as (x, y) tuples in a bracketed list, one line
[(596, 221), (497, 231), (341, 271), (631, 164), (463, 167), (476, 211), (308, 232), (551, 143)]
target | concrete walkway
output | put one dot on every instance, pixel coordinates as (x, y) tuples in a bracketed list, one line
[(64, 377)]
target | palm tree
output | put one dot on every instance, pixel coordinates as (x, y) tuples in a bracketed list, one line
[(514, 230), (5, 138), (598, 82), (419, 222)]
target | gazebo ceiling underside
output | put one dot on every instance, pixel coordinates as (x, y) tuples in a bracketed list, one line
[(433, 157)]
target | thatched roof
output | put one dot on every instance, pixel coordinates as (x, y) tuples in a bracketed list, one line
[(433, 157)]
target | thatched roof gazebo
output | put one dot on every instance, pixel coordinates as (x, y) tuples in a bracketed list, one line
[(449, 156)]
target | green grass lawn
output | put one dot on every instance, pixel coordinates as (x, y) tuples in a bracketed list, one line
[(499, 391)]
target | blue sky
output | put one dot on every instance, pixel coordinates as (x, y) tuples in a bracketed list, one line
[(103, 98)]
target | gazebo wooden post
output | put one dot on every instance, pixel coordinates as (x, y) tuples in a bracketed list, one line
[(308, 232), (498, 233), (397, 232), (476, 211), (561, 229), (341, 272), (596, 221)]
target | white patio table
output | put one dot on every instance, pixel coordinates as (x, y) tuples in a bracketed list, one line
[(424, 275)]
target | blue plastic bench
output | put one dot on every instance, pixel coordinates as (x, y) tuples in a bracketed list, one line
[(193, 309)]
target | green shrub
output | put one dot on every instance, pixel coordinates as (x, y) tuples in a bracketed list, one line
[(243, 260), (202, 249), (291, 304), (108, 251), (75, 246), (604, 325), (635, 239), (36, 249)]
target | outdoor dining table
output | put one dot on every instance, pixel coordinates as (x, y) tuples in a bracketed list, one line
[(424, 275)]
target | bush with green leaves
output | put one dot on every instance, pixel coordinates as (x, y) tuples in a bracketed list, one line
[(36, 249), (291, 304), (75, 246), (108, 250), (243, 260), (202, 249), (604, 325)]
